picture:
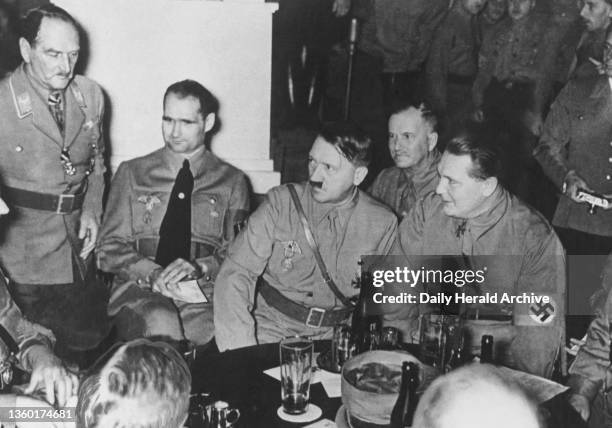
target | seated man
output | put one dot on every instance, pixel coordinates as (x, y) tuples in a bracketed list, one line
[(591, 373), (144, 384), (149, 238), (34, 343), (293, 296), (412, 144), (475, 396), (472, 215)]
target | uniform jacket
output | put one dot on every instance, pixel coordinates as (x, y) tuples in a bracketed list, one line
[(274, 245), (577, 136), (520, 51), (399, 188), (23, 332), (453, 52), (592, 364), (138, 201), (529, 259), (399, 31), (34, 247)]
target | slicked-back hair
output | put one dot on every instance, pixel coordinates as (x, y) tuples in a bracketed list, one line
[(191, 88), (427, 113), (350, 140), (143, 385), (477, 141), (30, 23)]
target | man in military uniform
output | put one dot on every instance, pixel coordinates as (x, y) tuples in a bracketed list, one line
[(34, 344), (137, 242), (392, 46), (52, 170), (452, 65), (293, 297), (492, 15), (575, 153), (473, 216), (412, 144)]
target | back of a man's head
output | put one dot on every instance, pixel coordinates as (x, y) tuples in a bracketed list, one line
[(475, 396), (143, 385)]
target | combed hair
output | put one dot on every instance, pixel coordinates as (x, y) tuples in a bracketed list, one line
[(352, 142), (30, 23), (191, 88), (143, 385), (427, 113), (477, 141)]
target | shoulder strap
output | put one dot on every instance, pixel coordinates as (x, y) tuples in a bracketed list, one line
[(315, 249)]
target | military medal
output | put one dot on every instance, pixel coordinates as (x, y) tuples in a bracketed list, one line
[(291, 248), (69, 167)]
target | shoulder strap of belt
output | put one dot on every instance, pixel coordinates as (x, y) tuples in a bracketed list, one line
[(315, 249)]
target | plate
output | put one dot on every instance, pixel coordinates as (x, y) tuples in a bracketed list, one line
[(313, 412)]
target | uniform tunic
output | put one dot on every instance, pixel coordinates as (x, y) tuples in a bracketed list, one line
[(274, 245), (130, 233), (578, 136), (35, 248), (400, 188), (529, 259)]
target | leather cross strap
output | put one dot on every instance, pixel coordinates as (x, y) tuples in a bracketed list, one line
[(315, 250)]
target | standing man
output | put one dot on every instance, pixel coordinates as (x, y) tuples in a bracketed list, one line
[(575, 152), (293, 297), (412, 144), (472, 215), (51, 163), (170, 217), (452, 64)]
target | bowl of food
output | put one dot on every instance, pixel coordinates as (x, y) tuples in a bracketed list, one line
[(370, 385)]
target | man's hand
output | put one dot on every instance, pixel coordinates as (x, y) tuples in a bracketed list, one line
[(341, 7), (534, 122), (572, 183), (581, 404), (88, 231), (166, 282), (478, 115), (49, 373)]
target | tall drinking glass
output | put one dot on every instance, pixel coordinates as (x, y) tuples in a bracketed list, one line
[(296, 372)]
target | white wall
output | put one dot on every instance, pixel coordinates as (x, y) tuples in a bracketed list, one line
[(139, 47)]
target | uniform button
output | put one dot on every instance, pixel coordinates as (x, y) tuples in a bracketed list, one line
[(181, 195), (19, 149), (608, 177), (581, 117), (139, 281), (611, 143), (610, 160), (213, 201)]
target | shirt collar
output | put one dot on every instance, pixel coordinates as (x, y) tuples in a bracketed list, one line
[(196, 159), (425, 170), (320, 211), (482, 223), (39, 89)]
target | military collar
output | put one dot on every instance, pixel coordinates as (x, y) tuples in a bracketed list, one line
[(320, 211), (197, 161), (481, 224), (424, 171)]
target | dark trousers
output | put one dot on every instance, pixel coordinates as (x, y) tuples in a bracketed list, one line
[(76, 312)]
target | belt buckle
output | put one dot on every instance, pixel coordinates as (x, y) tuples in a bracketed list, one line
[(60, 203), (318, 314)]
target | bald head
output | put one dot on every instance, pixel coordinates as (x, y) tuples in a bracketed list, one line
[(474, 396)]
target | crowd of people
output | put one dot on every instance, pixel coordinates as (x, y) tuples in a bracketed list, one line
[(478, 120)]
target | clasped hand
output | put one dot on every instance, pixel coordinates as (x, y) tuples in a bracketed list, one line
[(166, 281)]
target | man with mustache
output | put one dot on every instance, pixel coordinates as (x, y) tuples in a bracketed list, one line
[(292, 296), (412, 144), (52, 167)]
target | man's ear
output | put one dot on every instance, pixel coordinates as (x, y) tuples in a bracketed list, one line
[(209, 122), (25, 49), (432, 140), (360, 174), (490, 184)]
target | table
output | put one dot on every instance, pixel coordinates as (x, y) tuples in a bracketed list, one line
[(237, 377)]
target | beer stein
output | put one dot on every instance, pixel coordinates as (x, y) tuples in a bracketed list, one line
[(221, 415)]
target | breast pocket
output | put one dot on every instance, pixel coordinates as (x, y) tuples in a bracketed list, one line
[(148, 210), (208, 214)]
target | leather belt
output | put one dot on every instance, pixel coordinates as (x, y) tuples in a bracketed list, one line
[(312, 317), (64, 203)]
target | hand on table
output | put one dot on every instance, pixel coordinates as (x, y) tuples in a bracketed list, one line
[(572, 183), (166, 281), (48, 372)]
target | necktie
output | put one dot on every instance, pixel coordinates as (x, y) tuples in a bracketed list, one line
[(175, 230), (56, 107)]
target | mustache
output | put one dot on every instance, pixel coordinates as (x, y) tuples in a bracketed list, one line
[(317, 184)]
